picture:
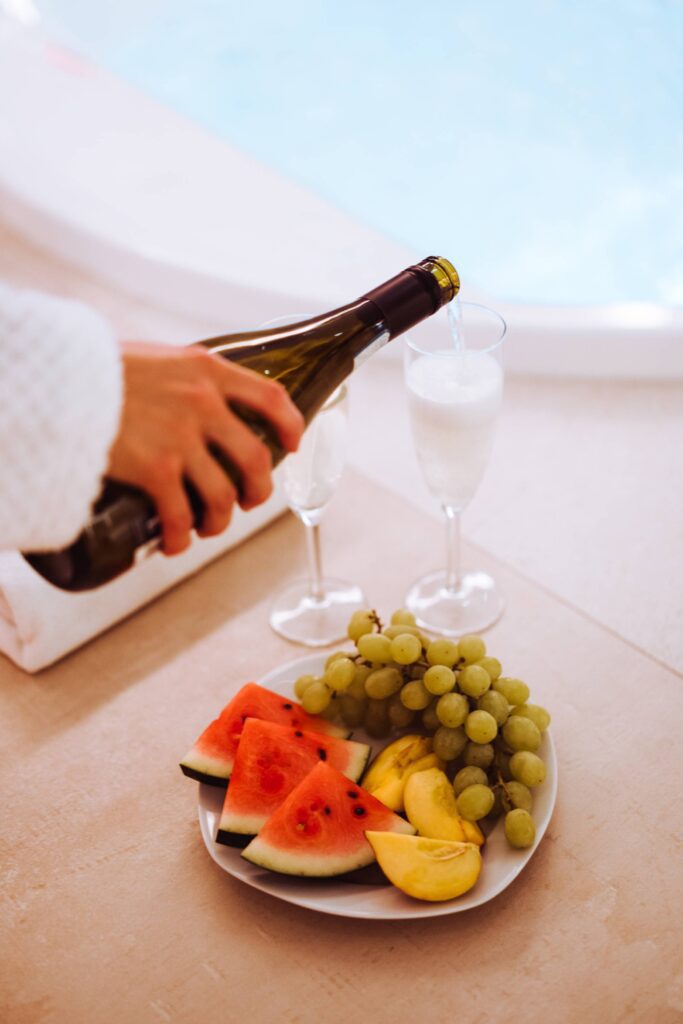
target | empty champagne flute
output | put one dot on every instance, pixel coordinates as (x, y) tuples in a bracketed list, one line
[(454, 380), (315, 612)]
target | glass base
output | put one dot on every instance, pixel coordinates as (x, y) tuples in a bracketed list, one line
[(474, 606), (313, 622)]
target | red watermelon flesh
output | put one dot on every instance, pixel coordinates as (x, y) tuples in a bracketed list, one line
[(319, 830), (271, 761), (212, 756)]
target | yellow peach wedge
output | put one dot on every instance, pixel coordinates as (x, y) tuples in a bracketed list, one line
[(387, 775), (430, 806), (427, 869)]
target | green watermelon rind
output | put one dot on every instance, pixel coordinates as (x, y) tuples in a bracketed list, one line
[(205, 769), (265, 855)]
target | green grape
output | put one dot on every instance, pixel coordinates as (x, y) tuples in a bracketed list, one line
[(469, 776), (400, 630), (473, 680), (360, 623), (452, 709), (515, 794), (406, 649), (430, 719), (375, 647), (439, 680), (520, 830), (415, 696), (514, 690), (399, 715), (377, 722), (352, 711), (521, 734), (472, 648), (448, 743), (340, 674), (479, 755), (527, 768), (302, 684), (492, 666), (383, 682), (481, 727), (357, 687), (330, 660), (475, 802), (496, 705), (316, 697), (402, 617), (538, 715), (442, 652)]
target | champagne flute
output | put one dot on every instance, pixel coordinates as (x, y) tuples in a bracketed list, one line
[(454, 379), (315, 612)]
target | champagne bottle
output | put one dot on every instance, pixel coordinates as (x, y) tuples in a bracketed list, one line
[(310, 359)]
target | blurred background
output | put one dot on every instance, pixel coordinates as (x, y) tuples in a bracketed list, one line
[(539, 147)]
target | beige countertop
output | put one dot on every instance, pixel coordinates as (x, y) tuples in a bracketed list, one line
[(113, 911), (110, 907)]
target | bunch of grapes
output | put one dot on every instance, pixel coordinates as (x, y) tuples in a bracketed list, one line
[(482, 724)]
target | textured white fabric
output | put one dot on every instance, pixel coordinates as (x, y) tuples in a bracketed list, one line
[(60, 400)]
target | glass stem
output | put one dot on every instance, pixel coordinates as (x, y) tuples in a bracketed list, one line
[(315, 572), (453, 566)]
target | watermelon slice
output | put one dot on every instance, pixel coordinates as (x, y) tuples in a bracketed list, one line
[(212, 756), (319, 830), (271, 760)]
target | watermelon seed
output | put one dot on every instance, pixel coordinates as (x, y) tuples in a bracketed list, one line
[(352, 793), (287, 707), (298, 732), (322, 754), (360, 811), (328, 810)]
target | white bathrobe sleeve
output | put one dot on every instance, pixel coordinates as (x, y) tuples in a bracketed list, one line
[(60, 402)]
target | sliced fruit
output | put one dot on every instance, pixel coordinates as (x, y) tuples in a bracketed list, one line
[(211, 758), (391, 790), (430, 805), (271, 761), (428, 869), (387, 775), (319, 830)]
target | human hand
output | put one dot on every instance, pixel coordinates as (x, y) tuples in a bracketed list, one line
[(175, 404)]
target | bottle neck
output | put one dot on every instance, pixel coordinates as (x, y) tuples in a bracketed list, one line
[(414, 294)]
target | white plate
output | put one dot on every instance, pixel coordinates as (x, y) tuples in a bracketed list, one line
[(501, 864)]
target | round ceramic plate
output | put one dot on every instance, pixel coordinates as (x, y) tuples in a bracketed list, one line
[(501, 864)]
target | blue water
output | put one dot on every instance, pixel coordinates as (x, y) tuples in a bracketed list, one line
[(539, 144)]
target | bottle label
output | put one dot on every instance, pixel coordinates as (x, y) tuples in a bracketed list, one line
[(373, 347)]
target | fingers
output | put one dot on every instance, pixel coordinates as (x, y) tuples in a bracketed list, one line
[(249, 455), (267, 397), (217, 492), (165, 485)]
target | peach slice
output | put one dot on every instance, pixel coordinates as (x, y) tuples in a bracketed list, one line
[(387, 775), (430, 806), (427, 869)]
